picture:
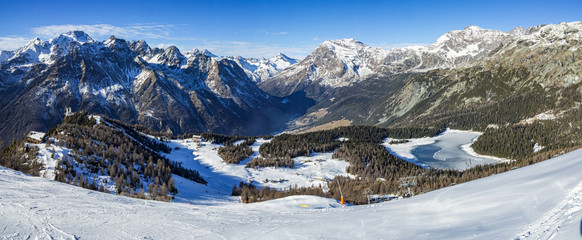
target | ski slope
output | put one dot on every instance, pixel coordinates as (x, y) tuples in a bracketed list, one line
[(313, 171), (542, 201)]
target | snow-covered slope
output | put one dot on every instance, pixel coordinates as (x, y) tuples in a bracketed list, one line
[(313, 171), (536, 202)]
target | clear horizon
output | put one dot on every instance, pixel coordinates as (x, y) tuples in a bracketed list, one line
[(266, 28)]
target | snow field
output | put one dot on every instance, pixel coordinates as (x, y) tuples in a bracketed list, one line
[(312, 171)]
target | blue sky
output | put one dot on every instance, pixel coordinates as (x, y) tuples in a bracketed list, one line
[(265, 28)]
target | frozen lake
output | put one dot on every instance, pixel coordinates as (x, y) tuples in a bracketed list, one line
[(450, 150)]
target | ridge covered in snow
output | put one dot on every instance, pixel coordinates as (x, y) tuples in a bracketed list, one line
[(259, 69), (130, 80), (46, 52), (343, 62)]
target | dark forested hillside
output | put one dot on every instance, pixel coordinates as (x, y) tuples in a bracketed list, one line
[(519, 141), (134, 83), (111, 149)]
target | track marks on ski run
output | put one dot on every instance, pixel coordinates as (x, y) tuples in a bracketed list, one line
[(550, 224)]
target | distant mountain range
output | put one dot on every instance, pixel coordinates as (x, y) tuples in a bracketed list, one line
[(343, 62), (159, 88), (460, 80), (473, 71)]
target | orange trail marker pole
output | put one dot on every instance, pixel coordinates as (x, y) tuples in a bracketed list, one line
[(341, 194)]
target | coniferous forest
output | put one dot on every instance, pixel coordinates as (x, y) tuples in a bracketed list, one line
[(130, 160), (133, 162)]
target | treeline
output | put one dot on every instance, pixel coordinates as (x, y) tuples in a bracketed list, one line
[(139, 137), (517, 141), (234, 154), (288, 145), (221, 139), (100, 150), (508, 110), (128, 158), (379, 172), (21, 157), (250, 193), (260, 162), (371, 160)]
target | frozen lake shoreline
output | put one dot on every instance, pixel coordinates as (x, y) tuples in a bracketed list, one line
[(450, 150)]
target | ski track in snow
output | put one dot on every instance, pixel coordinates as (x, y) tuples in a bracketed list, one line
[(549, 225)]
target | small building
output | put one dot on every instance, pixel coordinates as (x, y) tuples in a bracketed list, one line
[(35, 137)]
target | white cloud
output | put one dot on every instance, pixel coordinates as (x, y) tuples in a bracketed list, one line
[(276, 33), (12, 43), (164, 45), (105, 30)]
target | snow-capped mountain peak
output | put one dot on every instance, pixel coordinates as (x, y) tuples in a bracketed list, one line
[(561, 34), (171, 57), (473, 28), (32, 52), (157, 87), (142, 49), (196, 51), (116, 43), (75, 36), (342, 62), (469, 42), (345, 42), (260, 69), (281, 59), (519, 31)]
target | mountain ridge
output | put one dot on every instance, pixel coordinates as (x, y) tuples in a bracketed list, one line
[(130, 81), (533, 61)]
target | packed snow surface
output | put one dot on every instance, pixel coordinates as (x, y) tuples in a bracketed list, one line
[(452, 150), (539, 201)]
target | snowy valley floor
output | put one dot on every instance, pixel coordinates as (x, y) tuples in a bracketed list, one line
[(540, 201)]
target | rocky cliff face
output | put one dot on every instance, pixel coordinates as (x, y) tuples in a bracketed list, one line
[(158, 88)]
